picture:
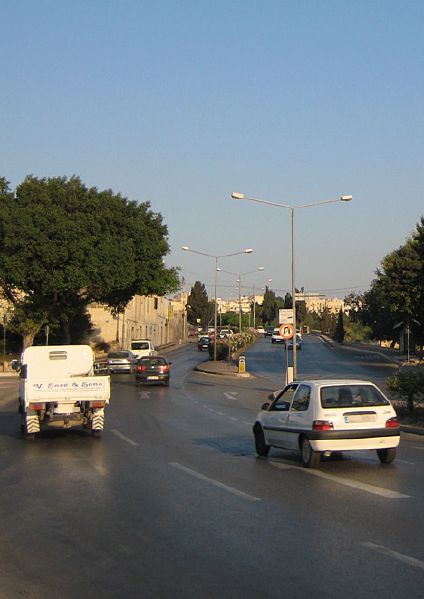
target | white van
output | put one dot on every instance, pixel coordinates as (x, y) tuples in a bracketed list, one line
[(142, 347)]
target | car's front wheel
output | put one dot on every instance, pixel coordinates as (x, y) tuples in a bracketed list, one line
[(262, 448), (387, 455), (310, 458)]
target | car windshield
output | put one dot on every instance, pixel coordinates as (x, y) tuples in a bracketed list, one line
[(351, 396), (119, 354), (153, 361), (140, 345)]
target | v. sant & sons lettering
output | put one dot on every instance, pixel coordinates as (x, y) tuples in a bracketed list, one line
[(67, 386)]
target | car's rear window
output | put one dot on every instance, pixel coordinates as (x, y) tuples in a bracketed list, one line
[(351, 396), (118, 354), (152, 361), (140, 345)]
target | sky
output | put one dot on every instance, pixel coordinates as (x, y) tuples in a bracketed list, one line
[(180, 103)]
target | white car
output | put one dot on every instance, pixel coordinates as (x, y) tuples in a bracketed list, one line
[(319, 417), (276, 337), (142, 348), (260, 331), (224, 333)]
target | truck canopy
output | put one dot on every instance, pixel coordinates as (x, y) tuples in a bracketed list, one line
[(58, 361)]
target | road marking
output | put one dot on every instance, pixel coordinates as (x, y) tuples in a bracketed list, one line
[(387, 493), (214, 482), (412, 561), (124, 438), (231, 395), (248, 423), (144, 394), (417, 447), (398, 461)]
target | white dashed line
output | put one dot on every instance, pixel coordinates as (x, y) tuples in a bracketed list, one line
[(124, 438), (214, 482), (354, 484), (412, 561)]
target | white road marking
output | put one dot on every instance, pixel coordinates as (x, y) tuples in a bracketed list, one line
[(144, 394), (387, 493), (231, 395), (248, 423), (214, 482), (398, 461), (124, 438), (233, 418), (417, 447), (412, 561)]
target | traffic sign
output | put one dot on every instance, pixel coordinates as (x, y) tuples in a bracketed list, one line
[(286, 331), (285, 315)]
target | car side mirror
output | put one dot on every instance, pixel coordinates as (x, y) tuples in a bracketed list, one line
[(265, 406), (271, 397), (16, 365)]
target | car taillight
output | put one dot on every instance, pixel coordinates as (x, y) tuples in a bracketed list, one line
[(97, 404), (392, 422), (164, 368), (140, 368), (322, 425), (37, 406), (129, 360)]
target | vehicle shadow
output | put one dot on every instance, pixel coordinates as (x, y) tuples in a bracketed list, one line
[(232, 445)]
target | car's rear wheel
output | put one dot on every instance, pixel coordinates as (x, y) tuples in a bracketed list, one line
[(262, 448), (310, 458), (387, 455)]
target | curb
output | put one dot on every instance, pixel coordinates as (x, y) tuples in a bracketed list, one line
[(199, 368)]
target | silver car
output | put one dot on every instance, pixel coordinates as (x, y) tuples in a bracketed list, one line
[(121, 361)]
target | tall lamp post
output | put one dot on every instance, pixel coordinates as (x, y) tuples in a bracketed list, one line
[(239, 276), (242, 196), (188, 249)]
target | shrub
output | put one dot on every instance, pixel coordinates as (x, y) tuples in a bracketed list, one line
[(221, 350), (408, 384)]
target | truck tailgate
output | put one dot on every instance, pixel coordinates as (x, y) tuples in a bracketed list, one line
[(68, 389)]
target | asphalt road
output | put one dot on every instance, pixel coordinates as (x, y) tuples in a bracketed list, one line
[(173, 502)]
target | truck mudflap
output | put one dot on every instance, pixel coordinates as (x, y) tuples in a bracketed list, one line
[(98, 420), (31, 423)]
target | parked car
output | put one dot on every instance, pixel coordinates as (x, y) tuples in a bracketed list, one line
[(289, 344), (269, 331), (276, 337), (121, 361), (203, 344), (152, 370), (319, 417), (260, 331)]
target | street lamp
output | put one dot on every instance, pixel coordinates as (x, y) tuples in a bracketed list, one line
[(242, 196), (238, 280), (246, 251)]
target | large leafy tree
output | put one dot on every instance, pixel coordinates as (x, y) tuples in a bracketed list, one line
[(64, 245)]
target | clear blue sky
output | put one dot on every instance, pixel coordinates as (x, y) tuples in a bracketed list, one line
[(182, 102)]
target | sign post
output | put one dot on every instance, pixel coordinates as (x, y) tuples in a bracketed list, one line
[(286, 331)]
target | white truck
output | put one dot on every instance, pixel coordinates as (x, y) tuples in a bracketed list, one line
[(58, 387)]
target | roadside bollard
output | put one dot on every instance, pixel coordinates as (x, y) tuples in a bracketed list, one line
[(242, 364)]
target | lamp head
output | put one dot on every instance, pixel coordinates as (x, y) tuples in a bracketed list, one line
[(261, 268), (346, 199), (238, 196), (185, 248), (248, 251)]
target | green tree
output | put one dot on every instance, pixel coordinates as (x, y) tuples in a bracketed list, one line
[(63, 246), (199, 307), (339, 333), (269, 307)]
